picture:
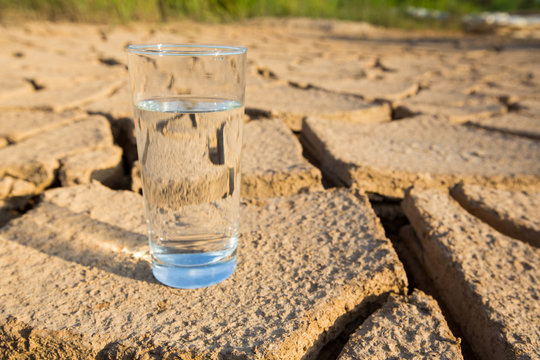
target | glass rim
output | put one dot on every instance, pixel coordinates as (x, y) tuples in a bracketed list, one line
[(184, 50)]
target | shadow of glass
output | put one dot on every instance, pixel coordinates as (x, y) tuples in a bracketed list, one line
[(76, 237)]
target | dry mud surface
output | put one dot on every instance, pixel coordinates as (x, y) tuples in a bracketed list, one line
[(344, 123)]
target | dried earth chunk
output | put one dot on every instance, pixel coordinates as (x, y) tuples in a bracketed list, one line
[(488, 281), (388, 158), (76, 272), (406, 327)]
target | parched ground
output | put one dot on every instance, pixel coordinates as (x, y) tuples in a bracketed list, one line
[(390, 185)]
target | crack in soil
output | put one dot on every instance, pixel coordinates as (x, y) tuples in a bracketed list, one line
[(393, 220)]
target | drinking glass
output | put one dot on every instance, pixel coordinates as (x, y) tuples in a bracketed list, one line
[(188, 103)]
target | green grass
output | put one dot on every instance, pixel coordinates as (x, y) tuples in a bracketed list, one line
[(379, 12)]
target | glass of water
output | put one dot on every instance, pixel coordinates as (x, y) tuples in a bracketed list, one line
[(188, 103)]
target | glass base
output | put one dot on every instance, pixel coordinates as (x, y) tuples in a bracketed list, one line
[(192, 277)]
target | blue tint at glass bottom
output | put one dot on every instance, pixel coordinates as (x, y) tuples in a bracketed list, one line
[(193, 277)]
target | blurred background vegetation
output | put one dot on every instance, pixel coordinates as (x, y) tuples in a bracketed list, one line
[(392, 13)]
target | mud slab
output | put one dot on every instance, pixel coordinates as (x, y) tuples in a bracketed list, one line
[(36, 159), (17, 125), (292, 104), (78, 283), (511, 123), (406, 327), (491, 295), (103, 165), (63, 98), (450, 101), (513, 213), (272, 162), (388, 158)]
